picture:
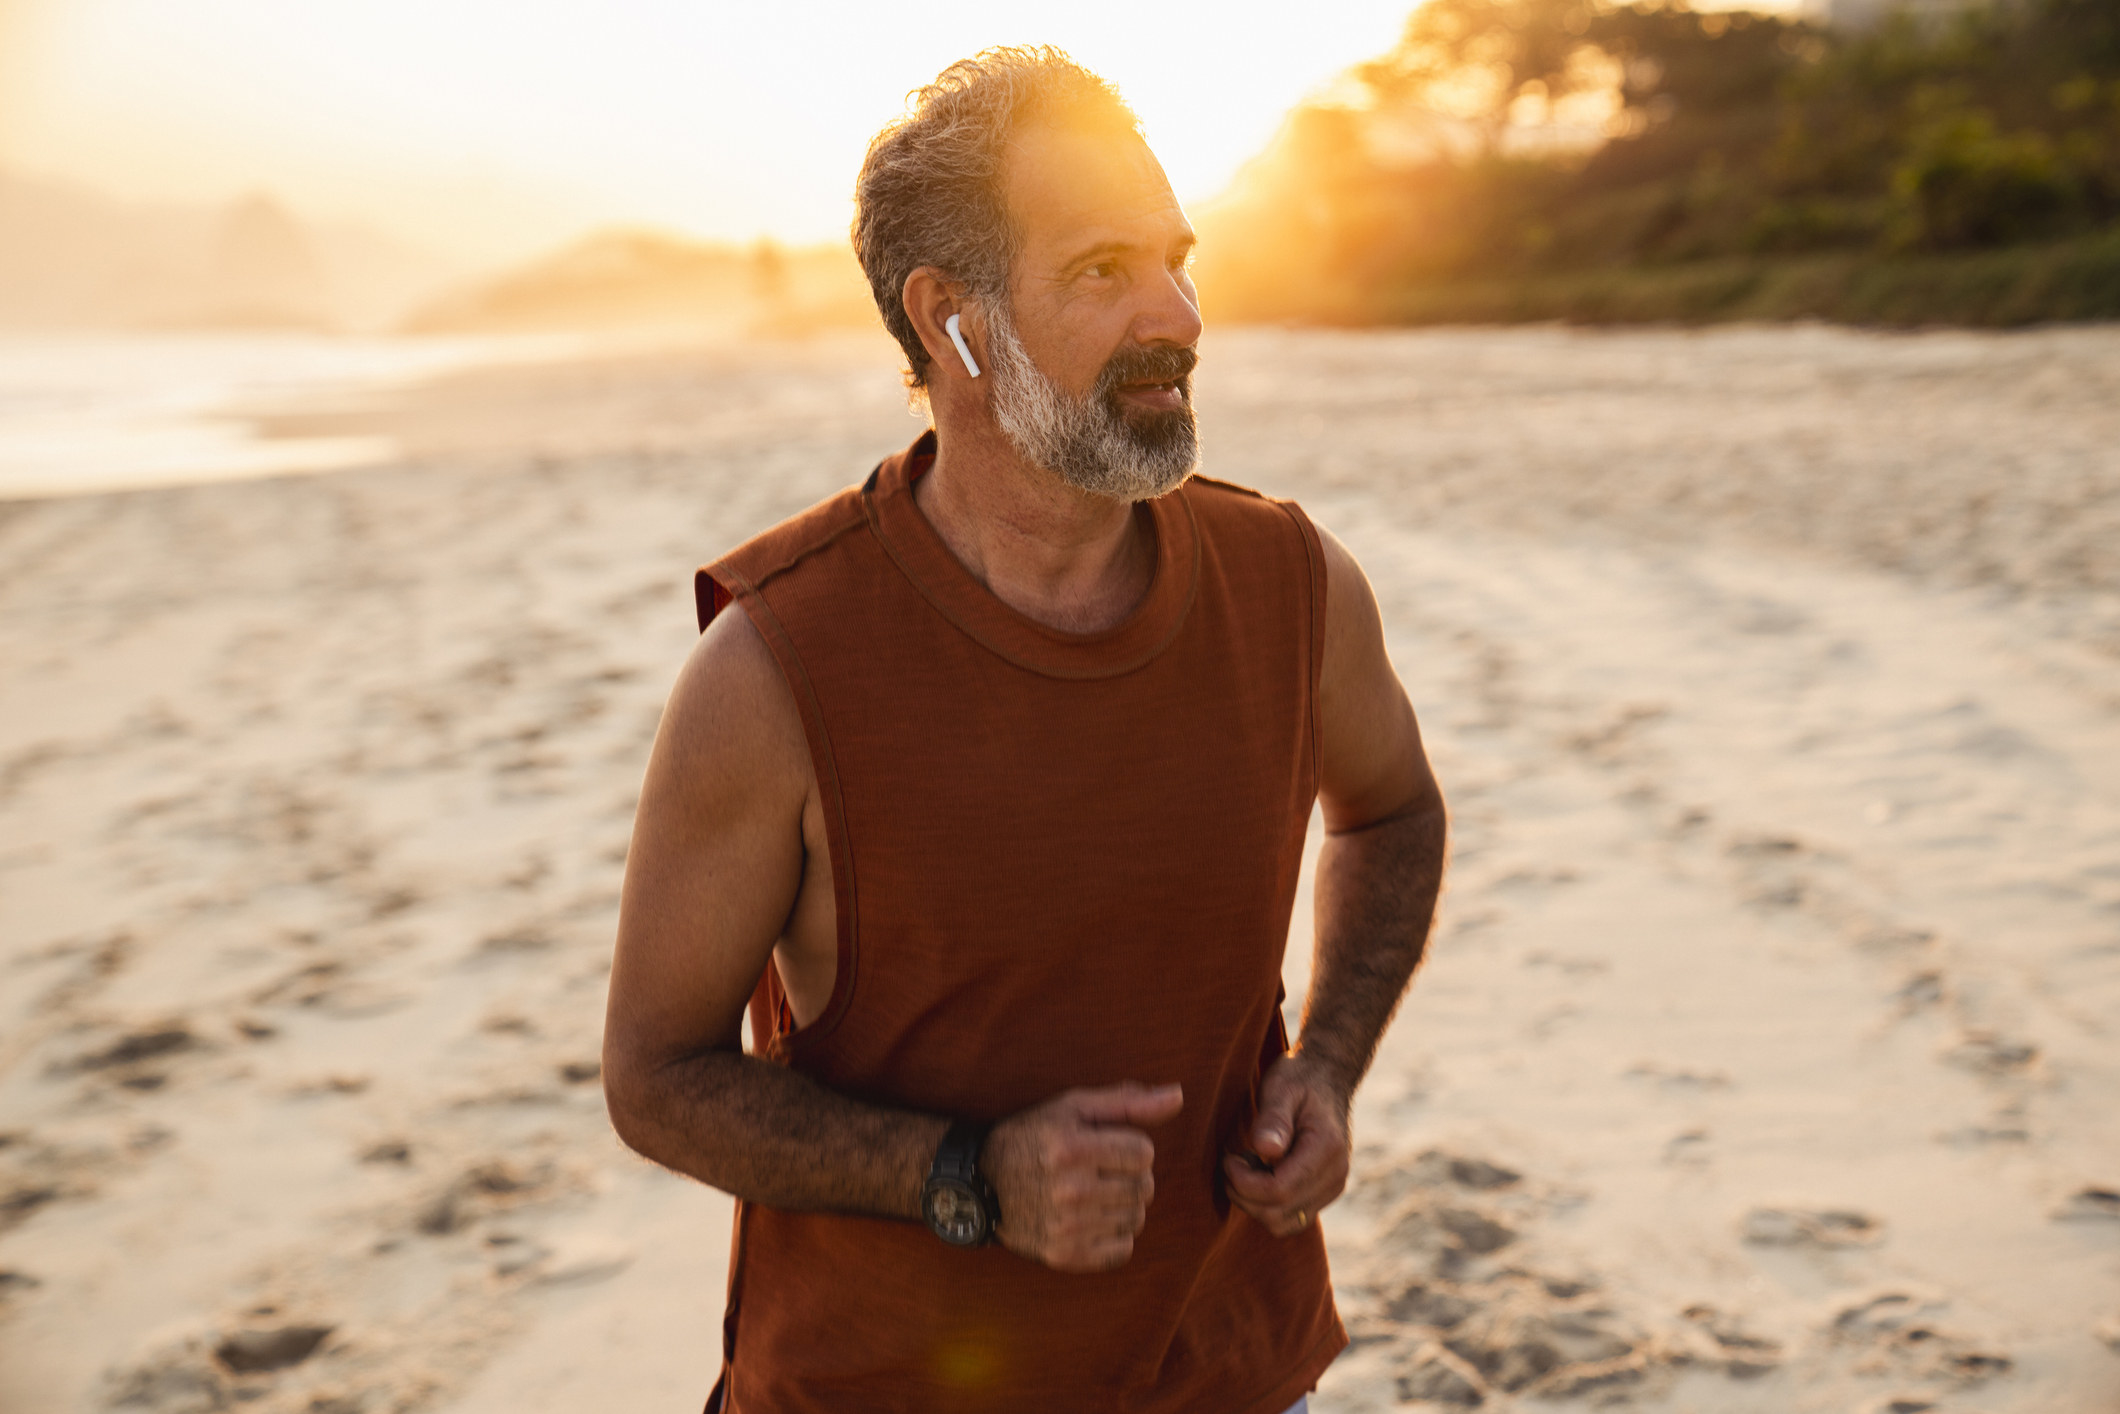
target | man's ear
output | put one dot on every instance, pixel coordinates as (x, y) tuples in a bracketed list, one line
[(930, 299)]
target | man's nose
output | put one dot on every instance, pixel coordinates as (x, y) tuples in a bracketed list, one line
[(1172, 312)]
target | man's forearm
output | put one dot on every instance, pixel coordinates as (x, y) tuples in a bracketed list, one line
[(770, 1136), (1376, 896)]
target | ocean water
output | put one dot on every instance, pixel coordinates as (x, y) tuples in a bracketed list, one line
[(85, 413)]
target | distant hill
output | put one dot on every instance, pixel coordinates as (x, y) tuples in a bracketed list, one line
[(651, 281), (73, 258), (264, 272)]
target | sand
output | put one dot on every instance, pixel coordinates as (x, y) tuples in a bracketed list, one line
[(1765, 1060)]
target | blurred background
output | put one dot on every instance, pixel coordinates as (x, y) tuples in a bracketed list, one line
[(347, 177), (470, 168), (1723, 400)]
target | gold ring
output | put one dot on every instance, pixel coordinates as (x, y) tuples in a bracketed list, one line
[(1302, 1219)]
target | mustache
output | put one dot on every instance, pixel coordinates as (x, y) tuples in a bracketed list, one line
[(1159, 363)]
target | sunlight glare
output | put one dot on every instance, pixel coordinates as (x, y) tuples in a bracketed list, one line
[(495, 127)]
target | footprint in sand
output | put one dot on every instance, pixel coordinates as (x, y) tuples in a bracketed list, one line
[(1434, 1305), (2090, 1205), (483, 1189), (14, 1285), (1811, 1227), (1740, 1353), (1458, 1330), (36, 1172), (196, 1369), (136, 1060), (21, 1200), (1436, 1166), (1899, 1333), (254, 1349), (1920, 992), (1688, 1149), (1617, 740), (329, 987), (334, 1084), (1676, 1078), (1443, 1236), (1986, 1053), (528, 938), (1892, 938), (1521, 1337), (1765, 847), (1430, 1374), (2007, 1127)]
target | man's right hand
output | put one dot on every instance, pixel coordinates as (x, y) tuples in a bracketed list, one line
[(1074, 1175)]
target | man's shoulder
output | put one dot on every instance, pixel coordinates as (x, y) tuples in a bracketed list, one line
[(776, 551), (1225, 508)]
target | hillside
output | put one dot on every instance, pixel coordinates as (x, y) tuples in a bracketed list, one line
[(651, 281), (72, 258)]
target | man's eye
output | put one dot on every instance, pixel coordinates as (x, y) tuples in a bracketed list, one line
[(1103, 269)]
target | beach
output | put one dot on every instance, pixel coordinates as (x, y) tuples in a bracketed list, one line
[(1764, 1059)]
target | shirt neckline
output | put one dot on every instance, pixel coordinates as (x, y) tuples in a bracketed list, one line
[(927, 560)]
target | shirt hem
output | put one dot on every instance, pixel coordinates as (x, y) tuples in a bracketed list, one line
[(1305, 1379)]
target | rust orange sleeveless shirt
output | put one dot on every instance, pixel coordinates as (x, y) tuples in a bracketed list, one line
[(1060, 860)]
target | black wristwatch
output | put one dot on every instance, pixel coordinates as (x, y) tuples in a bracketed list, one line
[(958, 1201)]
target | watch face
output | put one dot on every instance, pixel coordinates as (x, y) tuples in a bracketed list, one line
[(955, 1213)]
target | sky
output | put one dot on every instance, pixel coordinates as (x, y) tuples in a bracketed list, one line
[(496, 128)]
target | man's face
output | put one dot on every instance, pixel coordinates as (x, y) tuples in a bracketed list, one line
[(1092, 362)]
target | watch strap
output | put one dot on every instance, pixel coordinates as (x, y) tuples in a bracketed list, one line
[(957, 1156)]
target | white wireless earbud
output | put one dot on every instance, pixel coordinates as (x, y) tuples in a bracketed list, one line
[(963, 350)]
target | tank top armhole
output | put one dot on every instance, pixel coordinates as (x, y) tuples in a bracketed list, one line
[(715, 588), (709, 595), (1314, 555)]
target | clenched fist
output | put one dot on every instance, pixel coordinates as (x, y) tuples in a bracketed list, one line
[(1301, 1139), (1073, 1176)]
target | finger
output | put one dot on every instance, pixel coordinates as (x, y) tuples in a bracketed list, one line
[(1115, 1149), (1129, 1103), (1114, 1197), (1280, 1107), (1280, 1219), (1074, 1158), (1116, 1190), (1263, 1188), (1281, 1222), (1310, 1166), (1310, 1175), (1088, 1190)]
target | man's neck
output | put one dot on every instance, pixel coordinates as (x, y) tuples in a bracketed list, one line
[(1069, 560)]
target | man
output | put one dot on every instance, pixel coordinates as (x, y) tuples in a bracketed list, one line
[(989, 797)]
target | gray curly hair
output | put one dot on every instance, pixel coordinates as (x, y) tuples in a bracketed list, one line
[(930, 188)]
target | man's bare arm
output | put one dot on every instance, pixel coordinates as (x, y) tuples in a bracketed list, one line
[(1381, 867), (711, 878), (1379, 874), (712, 882)]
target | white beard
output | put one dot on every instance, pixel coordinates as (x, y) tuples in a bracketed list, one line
[(1086, 442)]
